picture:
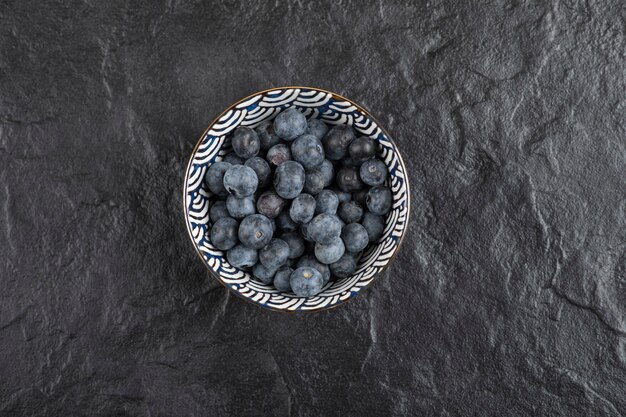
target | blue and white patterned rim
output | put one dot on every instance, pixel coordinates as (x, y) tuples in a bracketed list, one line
[(251, 111)]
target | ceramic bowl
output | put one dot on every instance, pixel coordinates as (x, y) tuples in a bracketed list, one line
[(214, 145)]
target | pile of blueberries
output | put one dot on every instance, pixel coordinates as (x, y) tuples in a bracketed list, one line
[(299, 203)]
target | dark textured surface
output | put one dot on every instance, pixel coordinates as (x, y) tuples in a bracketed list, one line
[(508, 297)]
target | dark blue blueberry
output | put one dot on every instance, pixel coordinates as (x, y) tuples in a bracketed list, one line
[(270, 204), (255, 231), (379, 200), (306, 282), (240, 181), (218, 210), (337, 141), (263, 273), (349, 162), (285, 222), (275, 254), (313, 181), (214, 177), (262, 170), (241, 256), (311, 262), (307, 150), (266, 134), (295, 242), (278, 154), (324, 228), (328, 171), (326, 202), (302, 208), (282, 277), (348, 179), (355, 237), (373, 172), (328, 253), (246, 143), (289, 179), (342, 195), (344, 267), (316, 128), (240, 207), (374, 225), (290, 124), (224, 233), (350, 211), (233, 159), (363, 148)]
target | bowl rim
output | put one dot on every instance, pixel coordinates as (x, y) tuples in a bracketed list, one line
[(360, 108)]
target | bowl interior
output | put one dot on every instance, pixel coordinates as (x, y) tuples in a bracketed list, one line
[(213, 146)]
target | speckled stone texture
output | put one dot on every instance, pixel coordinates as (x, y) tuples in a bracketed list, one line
[(507, 299)]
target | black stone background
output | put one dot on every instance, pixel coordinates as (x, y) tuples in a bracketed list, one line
[(507, 299)]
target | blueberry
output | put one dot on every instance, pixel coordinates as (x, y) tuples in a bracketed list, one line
[(379, 200), (355, 237), (328, 172), (312, 262), (344, 267), (262, 170), (241, 256), (275, 254), (218, 210), (246, 143), (307, 150), (306, 282), (281, 278), (240, 181), (285, 222), (278, 154), (214, 177), (350, 211), (267, 136), (329, 253), (270, 204), (337, 141), (374, 225), (295, 242), (255, 231), (304, 232), (240, 207), (360, 197), (313, 181), (348, 179), (343, 196), (289, 179), (316, 128), (373, 172), (324, 227), (362, 148), (326, 202), (350, 162), (263, 273), (224, 233), (290, 124), (302, 208), (233, 159)]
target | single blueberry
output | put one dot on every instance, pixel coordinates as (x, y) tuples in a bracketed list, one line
[(355, 237), (240, 207), (263, 273), (326, 202), (233, 159), (311, 262), (214, 178), (224, 233), (348, 179), (278, 154), (289, 179), (262, 170), (350, 211), (285, 222), (275, 254), (241, 256), (362, 148), (267, 136), (314, 181), (307, 150), (316, 128), (218, 210), (306, 282), (329, 253), (344, 267), (282, 277), (324, 228), (373, 172), (246, 143), (328, 172), (295, 242), (240, 181), (337, 141), (255, 231), (270, 204), (302, 208), (374, 225), (290, 124), (379, 200)]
